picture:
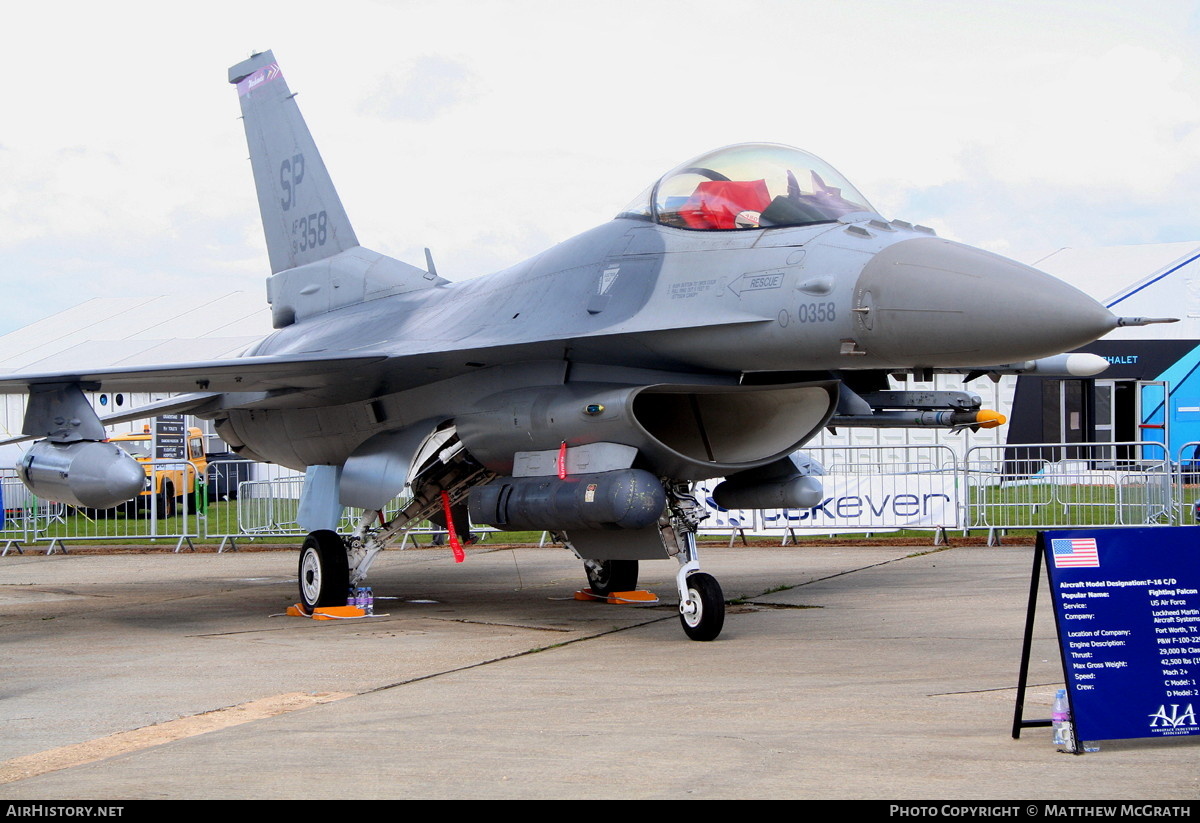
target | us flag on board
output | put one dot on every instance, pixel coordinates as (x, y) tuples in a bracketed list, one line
[(1075, 552)]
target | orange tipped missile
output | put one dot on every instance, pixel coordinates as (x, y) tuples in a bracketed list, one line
[(957, 419), (988, 419)]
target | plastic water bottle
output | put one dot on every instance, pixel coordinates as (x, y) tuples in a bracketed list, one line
[(1061, 717), (352, 600), (366, 600)]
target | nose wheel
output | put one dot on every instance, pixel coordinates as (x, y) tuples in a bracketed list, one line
[(324, 571), (701, 601), (702, 614)]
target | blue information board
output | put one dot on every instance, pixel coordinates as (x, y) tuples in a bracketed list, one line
[(1128, 616)]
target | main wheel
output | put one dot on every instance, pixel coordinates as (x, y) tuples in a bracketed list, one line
[(706, 621), (613, 576), (324, 571)]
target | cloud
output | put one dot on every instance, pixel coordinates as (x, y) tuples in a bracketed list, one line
[(1124, 118), (430, 85), (507, 126)]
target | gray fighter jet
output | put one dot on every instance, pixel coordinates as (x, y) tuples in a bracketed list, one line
[(747, 299)]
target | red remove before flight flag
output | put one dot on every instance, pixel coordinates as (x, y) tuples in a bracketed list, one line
[(459, 556)]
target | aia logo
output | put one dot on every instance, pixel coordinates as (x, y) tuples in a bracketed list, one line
[(1173, 720)]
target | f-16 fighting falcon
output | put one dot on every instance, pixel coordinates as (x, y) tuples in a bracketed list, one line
[(747, 299)]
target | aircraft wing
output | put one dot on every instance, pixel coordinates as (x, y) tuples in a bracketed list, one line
[(349, 375), (243, 374)]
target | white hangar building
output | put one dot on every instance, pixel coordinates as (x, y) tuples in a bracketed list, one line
[(128, 331)]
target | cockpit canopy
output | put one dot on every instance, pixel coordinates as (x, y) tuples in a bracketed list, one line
[(749, 186)]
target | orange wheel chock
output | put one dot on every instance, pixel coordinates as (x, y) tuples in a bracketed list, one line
[(327, 612), (634, 598)]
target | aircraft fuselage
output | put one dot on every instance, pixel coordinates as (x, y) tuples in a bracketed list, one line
[(691, 306)]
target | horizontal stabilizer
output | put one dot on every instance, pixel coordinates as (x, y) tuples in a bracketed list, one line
[(179, 404), (173, 405), (353, 276)]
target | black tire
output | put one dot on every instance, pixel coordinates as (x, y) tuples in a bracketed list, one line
[(613, 576), (324, 571), (166, 502), (709, 618)]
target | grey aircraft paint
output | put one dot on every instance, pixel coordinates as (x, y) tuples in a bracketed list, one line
[(709, 331)]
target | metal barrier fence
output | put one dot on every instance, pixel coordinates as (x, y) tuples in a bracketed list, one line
[(23, 514), (866, 489), (249, 500), (1187, 484), (269, 506), (1076, 485), (167, 510)]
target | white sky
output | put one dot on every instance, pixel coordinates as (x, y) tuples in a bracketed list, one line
[(491, 130)]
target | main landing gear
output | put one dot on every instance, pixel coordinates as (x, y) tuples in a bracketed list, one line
[(609, 576), (324, 572), (330, 564)]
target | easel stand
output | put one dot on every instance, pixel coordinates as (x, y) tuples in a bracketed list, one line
[(1035, 578)]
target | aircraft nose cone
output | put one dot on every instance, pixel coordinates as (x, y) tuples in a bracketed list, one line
[(932, 302)]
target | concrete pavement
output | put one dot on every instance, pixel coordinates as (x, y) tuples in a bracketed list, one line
[(843, 672)]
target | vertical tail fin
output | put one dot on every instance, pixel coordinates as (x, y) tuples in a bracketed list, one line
[(302, 216)]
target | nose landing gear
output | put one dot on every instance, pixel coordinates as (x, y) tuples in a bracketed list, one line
[(701, 601), (702, 614)]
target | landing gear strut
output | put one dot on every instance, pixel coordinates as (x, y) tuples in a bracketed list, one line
[(330, 563), (701, 601)]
